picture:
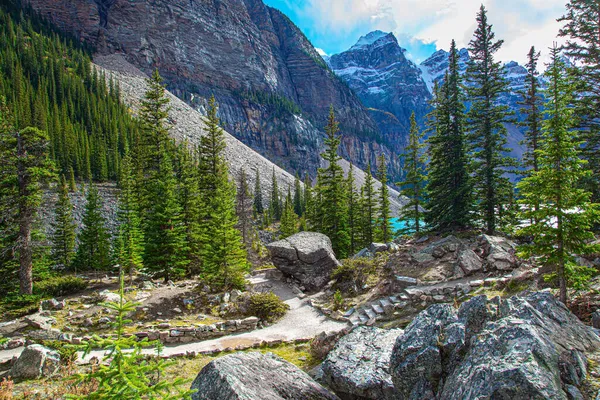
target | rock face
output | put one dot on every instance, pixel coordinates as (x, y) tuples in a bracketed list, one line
[(388, 83), (273, 87), (35, 361), (252, 376), (305, 256), (526, 347), (358, 366)]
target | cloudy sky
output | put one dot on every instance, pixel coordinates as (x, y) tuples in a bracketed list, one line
[(422, 26)]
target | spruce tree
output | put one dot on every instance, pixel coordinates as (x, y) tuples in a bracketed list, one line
[(565, 216), (532, 109), (289, 219), (93, 252), (310, 214), (384, 225), (331, 190), (275, 202), (165, 236), (63, 236), (413, 186), (298, 202), (354, 212), (130, 237), (487, 136), (369, 208), (448, 187), (72, 184), (582, 28), (258, 200), (192, 204), (244, 208)]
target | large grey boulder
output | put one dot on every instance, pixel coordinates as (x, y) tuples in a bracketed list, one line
[(35, 361), (358, 366), (253, 376), (499, 252), (525, 347), (305, 256)]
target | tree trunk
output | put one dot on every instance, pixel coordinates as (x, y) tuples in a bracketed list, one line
[(25, 254)]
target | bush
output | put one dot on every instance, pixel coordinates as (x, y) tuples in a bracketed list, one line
[(267, 306), (352, 275), (59, 286)]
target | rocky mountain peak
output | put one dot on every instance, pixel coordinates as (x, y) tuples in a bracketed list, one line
[(374, 39)]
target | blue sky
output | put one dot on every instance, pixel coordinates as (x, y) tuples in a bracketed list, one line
[(422, 26)]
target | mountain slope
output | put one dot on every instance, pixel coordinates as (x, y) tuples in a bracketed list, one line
[(273, 87), (391, 85)]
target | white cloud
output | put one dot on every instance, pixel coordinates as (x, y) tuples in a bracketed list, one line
[(520, 23)]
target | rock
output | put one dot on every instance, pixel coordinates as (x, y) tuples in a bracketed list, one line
[(364, 253), (256, 376), (235, 294), (44, 334), (324, 342), (525, 347), (305, 256), (35, 361), (375, 248), (108, 296), (38, 321), (402, 282), (358, 366), (104, 321), (469, 262), (52, 305), (225, 298), (596, 319), (13, 344), (88, 322), (499, 252), (177, 310)]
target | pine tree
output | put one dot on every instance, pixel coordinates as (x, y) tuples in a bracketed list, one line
[(354, 214), (275, 203), (414, 182), (72, 184), (448, 188), (165, 236), (192, 204), (384, 226), (124, 373), (331, 189), (298, 202), (289, 219), (532, 109), (258, 200), (487, 137), (93, 251), (310, 214), (582, 28), (130, 237), (369, 207), (63, 236), (244, 208), (565, 216)]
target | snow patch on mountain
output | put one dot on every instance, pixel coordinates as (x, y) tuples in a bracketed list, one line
[(372, 38)]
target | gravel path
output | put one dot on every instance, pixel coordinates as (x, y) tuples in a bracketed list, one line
[(301, 321)]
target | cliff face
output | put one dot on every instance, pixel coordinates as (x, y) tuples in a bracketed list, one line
[(387, 82), (273, 88)]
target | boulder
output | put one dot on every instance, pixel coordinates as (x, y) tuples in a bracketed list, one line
[(375, 248), (525, 347), (364, 253), (499, 252), (38, 321), (596, 319), (437, 249), (358, 366), (35, 361), (248, 376), (305, 256), (52, 305), (469, 262), (108, 296)]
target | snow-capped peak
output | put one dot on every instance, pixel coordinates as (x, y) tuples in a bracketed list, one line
[(370, 39)]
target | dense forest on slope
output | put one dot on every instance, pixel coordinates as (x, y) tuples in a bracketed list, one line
[(48, 80)]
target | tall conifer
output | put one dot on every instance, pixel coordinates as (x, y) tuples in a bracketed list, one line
[(63, 236)]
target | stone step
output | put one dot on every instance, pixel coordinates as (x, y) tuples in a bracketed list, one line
[(387, 305), (363, 319), (377, 308), (394, 299), (349, 312), (370, 313)]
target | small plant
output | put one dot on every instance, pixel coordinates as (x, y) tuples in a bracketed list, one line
[(127, 373), (60, 286), (6, 389), (338, 300), (353, 274), (267, 306)]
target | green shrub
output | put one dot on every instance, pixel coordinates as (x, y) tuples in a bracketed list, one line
[(267, 306), (352, 275), (338, 300), (59, 286)]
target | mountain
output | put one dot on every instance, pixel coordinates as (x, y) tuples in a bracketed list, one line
[(387, 82), (273, 88)]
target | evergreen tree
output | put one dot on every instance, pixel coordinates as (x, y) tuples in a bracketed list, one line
[(310, 213), (289, 219), (93, 251), (165, 236), (448, 188), (258, 200), (565, 216), (331, 189), (354, 214), (532, 109), (125, 374), (192, 204), (72, 184), (582, 27), (414, 182), (298, 202), (384, 226), (369, 207), (275, 203), (244, 208), (487, 137), (63, 237), (130, 237)]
